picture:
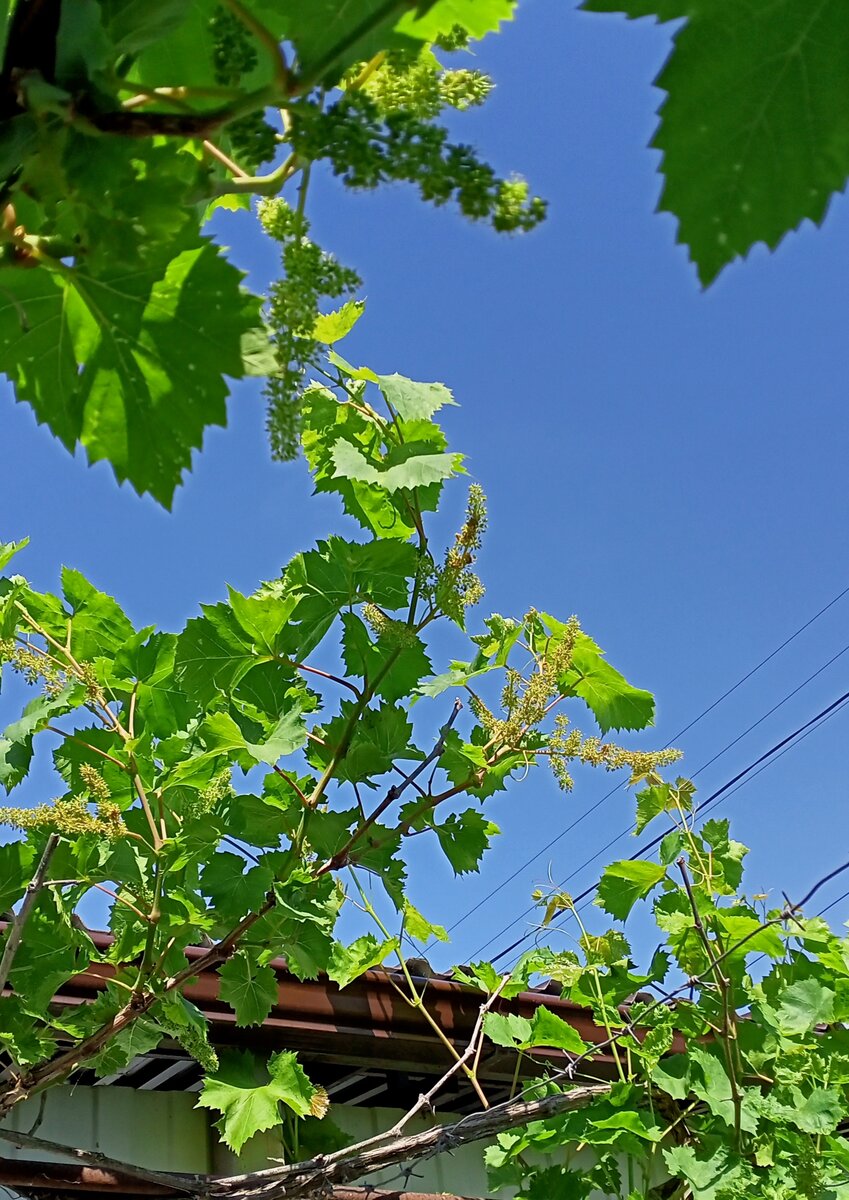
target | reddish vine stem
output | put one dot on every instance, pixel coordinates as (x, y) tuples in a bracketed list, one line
[(342, 856)]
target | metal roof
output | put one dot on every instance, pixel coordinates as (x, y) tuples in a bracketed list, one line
[(363, 1043)]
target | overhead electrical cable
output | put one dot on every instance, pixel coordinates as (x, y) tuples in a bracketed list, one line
[(675, 737), (714, 799)]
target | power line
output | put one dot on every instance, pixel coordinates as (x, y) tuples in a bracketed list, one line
[(598, 803), (833, 904), (681, 732), (712, 801)]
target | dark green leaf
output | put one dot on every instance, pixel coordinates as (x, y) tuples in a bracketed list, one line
[(233, 890), (464, 837), (17, 863), (249, 989), (624, 883), (753, 140)]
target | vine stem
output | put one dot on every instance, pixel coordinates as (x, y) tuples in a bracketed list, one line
[(72, 737), (35, 885), (394, 793), (727, 1033), (267, 39), (416, 1001)]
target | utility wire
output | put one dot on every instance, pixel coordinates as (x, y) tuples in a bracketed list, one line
[(714, 799), (675, 737), (703, 767)]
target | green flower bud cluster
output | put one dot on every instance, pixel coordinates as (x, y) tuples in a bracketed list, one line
[(515, 208), (93, 691), (202, 803), (423, 88), (457, 38), (366, 149), (310, 274), (194, 1040), (70, 816), (457, 587), (391, 632), (643, 763), (233, 51), (35, 667), (253, 141), (564, 746), (95, 783), (464, 89)]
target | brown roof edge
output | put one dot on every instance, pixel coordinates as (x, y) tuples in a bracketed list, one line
[(373, 1019)]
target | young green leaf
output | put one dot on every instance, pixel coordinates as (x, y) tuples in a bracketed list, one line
[(249, 989), (507, 1029), (249, 1105), (614, 702), (547, 1029), (347, 963), (8, 550), (332, 327), (624, 883)]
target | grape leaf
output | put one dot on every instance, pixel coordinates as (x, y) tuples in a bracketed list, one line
[(16, 745), (8, 550), (507, 1029), (713, 1173), (803, 1005), (754, 131), (416, 469), (99, 625), (651, 802), (46, 957), (477, 17), (464, 837), (248, 1105), (129, 362), (20, 1036), (213, 653), (139, 1038), (380, 737), (624, 883), (414, 401), (233, 890), (17, 863), (547, 1029), (349, 962), (332, 327), (614, 702), (249, 989), (420, 928), (399, 667)]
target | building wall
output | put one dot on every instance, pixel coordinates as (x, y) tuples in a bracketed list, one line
[(165, 1131)]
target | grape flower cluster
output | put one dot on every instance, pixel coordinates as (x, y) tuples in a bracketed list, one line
[(366, 148), (309, 275)]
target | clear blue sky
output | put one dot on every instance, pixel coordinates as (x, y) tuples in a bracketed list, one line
[(668, 464)]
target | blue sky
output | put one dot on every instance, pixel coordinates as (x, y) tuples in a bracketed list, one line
[(666, 463)]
